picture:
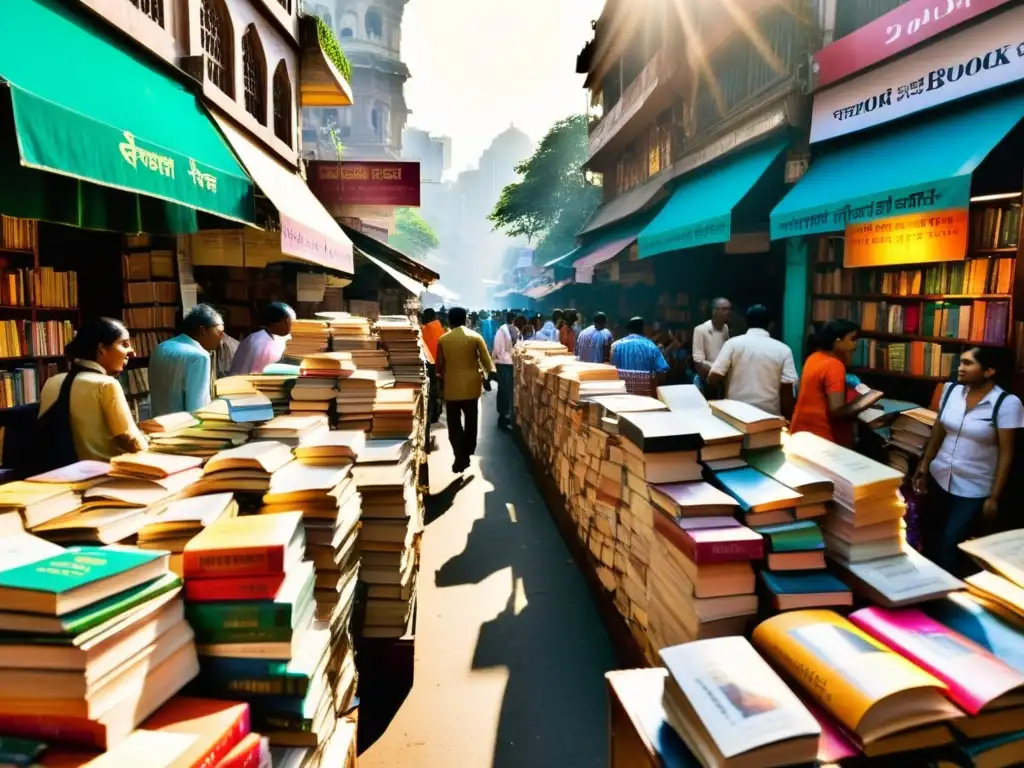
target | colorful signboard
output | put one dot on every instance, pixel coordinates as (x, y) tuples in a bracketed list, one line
[(897, 31), (979, 58), (916, 238), (352, 182)]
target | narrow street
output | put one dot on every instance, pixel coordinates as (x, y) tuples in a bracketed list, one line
[(510, 652)]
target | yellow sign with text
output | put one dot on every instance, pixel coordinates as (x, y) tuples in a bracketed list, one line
[(917, 238)]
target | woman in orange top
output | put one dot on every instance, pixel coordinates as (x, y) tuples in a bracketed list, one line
[(821, 404)]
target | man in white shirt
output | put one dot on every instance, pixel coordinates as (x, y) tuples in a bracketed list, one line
[(709, 338), (505, 338), (758, 370)]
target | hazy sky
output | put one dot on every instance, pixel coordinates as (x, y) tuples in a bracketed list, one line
[(478, 65)]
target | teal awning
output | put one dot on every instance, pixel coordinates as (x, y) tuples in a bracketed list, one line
[(699, 212), (925, 166), (87, 108)]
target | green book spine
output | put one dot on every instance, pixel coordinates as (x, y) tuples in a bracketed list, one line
[(242, 622), (92, 616), (75, 568), (216, 686)]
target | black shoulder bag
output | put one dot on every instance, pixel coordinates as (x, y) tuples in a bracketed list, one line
[(53, 443)]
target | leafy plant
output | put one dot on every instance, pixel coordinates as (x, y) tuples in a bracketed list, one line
[(335, 138), (330, 46), (413, 236)]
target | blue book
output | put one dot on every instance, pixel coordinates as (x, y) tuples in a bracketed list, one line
[(755, 491), (792, 590), (961, 613)]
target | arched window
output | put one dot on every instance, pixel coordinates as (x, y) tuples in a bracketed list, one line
[(349, 24), (282, 104), (254, 76), (374, 25), (215, 35)]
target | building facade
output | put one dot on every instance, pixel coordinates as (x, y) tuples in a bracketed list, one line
[(370, 32)]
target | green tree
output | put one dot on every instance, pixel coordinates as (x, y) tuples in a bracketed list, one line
[(553, 199), (413, 236)]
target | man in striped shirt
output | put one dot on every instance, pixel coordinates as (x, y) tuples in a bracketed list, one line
[(595, 343), (636, 352)]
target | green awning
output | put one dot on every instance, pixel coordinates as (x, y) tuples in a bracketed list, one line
[(87, 108), (924, 166), (699, 212)]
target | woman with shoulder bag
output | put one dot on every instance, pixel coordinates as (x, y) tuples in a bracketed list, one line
[(967, 460)]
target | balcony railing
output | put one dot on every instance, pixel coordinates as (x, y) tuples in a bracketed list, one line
[(152, 8)]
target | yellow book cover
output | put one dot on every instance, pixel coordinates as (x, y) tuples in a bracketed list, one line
[(872, 691)]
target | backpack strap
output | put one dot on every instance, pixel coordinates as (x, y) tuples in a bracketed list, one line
[(995, 409), (945, 399)]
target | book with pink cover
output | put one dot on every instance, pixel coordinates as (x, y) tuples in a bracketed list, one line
[(976, 679)]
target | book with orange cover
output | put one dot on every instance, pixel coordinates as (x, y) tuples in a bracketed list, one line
[(246, 546), (872, 691)]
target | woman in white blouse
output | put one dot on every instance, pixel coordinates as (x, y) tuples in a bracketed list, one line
[(967, 460), (102, 425)]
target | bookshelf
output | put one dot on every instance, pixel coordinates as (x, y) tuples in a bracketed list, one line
[(39, 311), (916, 319)]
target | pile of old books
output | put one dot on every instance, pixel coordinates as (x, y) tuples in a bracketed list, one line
[(94, 641), (249, 592), (400, 336), (316, 389), (244, 471), (308, 337), (185, 435), (999, 586), (723, 443), (275, 383), (394, 412), (392, 522), (114, 510), (349, 332), (760, 429), (794, 574), (171, 526), (291, 428), (866, 519)]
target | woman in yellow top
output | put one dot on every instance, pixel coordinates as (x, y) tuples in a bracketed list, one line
[(101, 422)]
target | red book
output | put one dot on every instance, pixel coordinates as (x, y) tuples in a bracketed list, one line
[(707, 540), (240, 588), (255, 545), (248, 753)]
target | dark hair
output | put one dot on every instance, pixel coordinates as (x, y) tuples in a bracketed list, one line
[(275, 312), (429, 315), (557, 313), (600, 319), (992, 358), (92, 333), (456, 316), (510, 317), (199, 317), (758, 316), (635, 325), (825, 337)]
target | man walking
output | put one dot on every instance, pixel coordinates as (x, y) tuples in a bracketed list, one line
[(461, 356), (760, 369), (594, 344), (641, 364), (708, 339), (505, 338), (179, 368)]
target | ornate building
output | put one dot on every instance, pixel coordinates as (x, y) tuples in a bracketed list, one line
[(370, 33)]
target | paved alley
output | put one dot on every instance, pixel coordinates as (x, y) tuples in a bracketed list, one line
[(510, 651)]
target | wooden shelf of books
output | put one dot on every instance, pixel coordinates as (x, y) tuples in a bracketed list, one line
[(915, 319), (38, 313)]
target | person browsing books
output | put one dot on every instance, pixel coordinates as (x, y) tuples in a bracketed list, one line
[(822, 404), (967, 460), (461, 355), (757, 369), (92, 400), (594, 344), (179, 368), (265, 346)]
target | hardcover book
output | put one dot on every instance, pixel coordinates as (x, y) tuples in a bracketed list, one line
[(246, 546), (707, 540), (756, 492), (660, 432)]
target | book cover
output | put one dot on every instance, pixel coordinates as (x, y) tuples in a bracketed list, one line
[(243, 546), (852, 675), (693, 499), (755, 491), (853, 474), (798, 536), (660, 432), (740, 700), (226, 588), (774, 463), (962, 613), (974, 676), (705, 544), (746, 418), (802, 583), (244, 678)]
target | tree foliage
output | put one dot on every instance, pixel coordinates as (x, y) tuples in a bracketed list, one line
[(553, 198), (413, 236)]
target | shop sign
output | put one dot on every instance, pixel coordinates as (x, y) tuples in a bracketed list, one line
[(308, 244), (757, 128), (910, 239), (897, 31), (353, 182), (985, 56)]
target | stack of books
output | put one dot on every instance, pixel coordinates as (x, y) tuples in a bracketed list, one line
[(236, 409), (38, 501), (661, 447), (701, 580), (794, 576), (911, 429), (762, 499), (171, 527), (723, 443), (274, 383), (400, 336), (244, 471), (308, 337), (760, 429), (330, 448), (815, 489), (389, 535), (185, 435), (115, 510), (94, 641), (866, 521), (999, 587), (330, 506), (250, 600), (317, 386), (357, 392), (292, 428), (394, 413), (349, 332)]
